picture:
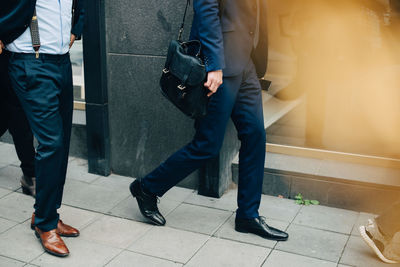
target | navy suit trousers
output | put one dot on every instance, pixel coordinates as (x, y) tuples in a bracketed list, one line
[(238, 98), (45, 91), (14, 120)]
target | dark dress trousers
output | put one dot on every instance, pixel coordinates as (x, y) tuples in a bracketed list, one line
[(45, 90), (14, 120), (228, 44)]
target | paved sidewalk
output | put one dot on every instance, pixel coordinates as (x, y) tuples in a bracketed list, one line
[(199, 230)]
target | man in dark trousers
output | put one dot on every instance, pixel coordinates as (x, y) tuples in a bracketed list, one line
[(38, 34), (235, 49), (14, 120)]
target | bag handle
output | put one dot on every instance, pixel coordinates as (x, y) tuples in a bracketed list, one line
[(183, 22)]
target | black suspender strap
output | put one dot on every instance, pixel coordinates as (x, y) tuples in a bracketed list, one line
[(34, 28)]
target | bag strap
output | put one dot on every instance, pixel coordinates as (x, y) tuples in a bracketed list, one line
[(183, 22), (34, 28)]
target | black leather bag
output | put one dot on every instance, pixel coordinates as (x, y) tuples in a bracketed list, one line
[(183, 76)]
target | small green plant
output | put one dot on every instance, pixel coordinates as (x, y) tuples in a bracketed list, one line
[(301, 201)]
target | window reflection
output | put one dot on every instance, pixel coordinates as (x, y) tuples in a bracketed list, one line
[(76, 54), (335, 68)]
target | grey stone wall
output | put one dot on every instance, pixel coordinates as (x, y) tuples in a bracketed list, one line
[(144, 127)]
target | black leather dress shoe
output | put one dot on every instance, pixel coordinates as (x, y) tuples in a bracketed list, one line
[(28, 185), (259, 227), (147, 203)]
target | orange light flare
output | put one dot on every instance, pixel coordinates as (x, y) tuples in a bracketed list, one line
[(347, 62)]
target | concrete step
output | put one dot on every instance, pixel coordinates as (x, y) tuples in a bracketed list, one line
[(274, 109), (334, 183)]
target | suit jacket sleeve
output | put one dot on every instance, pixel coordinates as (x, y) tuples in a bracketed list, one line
[(78, 18), (15, 17), (206, 15)]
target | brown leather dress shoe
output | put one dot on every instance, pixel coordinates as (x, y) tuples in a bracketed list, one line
[(52, 242), (62, 229)]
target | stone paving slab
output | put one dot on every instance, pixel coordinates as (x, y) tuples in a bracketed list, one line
[(357, 253), (114, 182), (197, 219), (92, 197), (278, 208), (284, 259), (170, 244), (8, 155), (79, 218), (325, 218), (227, 231), (218, 252), (199, 232), (178, 194), (78, 170), (314, 243), (82, 253), (20, 243), (128, 258), (226, 202), (7, 262), (10, 177), (6, 224), (16, 207), (4, 192), (115, 232)]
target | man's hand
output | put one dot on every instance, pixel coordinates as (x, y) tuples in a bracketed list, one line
[(2, 46), (214, 81), (71, 42)]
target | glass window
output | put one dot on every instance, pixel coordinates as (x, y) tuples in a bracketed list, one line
[(76, 53), (335, 72)]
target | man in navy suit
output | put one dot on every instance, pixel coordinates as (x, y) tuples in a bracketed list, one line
[(234, 41)]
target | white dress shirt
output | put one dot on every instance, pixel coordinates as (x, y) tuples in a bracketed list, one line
[(54, 19)]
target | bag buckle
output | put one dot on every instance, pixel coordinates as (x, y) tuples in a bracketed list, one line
[(181, 87), (165, 70)]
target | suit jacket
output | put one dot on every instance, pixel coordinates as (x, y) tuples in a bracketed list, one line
[(15, 18), (228, 38)]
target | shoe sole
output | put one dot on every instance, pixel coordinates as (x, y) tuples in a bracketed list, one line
[(135, 196), (49, 251), (372, 245), (240, 230)]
